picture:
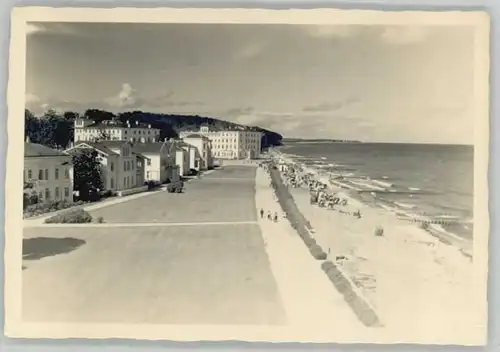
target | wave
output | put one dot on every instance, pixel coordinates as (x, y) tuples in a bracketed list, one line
[(406, 205), (383, 183), (401, 205)]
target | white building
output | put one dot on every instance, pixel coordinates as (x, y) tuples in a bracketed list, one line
[(114, 130), (160, 161), (182, 157), (231, 144), (118, 163), (193, 157), (204, 159), (48, 173)]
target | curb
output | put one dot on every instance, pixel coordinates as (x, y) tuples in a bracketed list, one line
[(352, 295)]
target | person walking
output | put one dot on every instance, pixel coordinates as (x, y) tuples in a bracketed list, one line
[(269, 215), (261, 213), (275, 217)]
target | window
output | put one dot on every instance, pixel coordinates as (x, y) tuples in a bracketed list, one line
[(47, 194), (111, 166), (124, 166), (56, 175), (149, 162), (147, 175), (124, 182), (66, 192), (40, 174), (111, 183), (132, 165), (46, 174), (57, 193), (40, 196), (132, 180), (66, 173), (30, 174)]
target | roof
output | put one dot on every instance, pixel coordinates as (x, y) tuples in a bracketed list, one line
[(147, 147), (139, 155), (95, 145), (38, 150), (195, 135), (117, 124), (113, 144)]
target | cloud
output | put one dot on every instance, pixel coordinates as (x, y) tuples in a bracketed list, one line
[(31, 98), (326, 106), (237, 112), (125, 98), (332, 31), (403, 35)]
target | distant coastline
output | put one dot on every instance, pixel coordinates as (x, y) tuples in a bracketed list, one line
[(322, 140)]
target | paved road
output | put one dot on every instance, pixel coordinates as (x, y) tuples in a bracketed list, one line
[(223, 195), (196, 274)]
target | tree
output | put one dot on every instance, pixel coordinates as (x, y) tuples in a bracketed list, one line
[(87, 174), (98, 115)]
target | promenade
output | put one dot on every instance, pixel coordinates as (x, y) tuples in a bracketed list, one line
[(191, 258), (201, 257)]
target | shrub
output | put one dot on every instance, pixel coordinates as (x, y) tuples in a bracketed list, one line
[(379, 231), (73, 216), (100, 219), (309, 241), (317, 252), (327, 266)]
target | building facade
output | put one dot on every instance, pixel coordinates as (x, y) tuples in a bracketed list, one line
[(114, 130), (231, 144), (160, 161), (48, 174), (182, 159), (118, 163), (202, 144)]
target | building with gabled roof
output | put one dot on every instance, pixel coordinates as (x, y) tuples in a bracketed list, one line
[(118, 163)]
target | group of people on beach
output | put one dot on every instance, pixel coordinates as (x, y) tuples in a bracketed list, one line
[(296, 175)]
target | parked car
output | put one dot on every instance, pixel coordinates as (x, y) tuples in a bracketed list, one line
[(175, 187)]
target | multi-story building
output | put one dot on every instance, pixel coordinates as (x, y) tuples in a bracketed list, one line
[(202, 144), (114, 130), (193, 157), (118, 163), (231, 144), (48, 174), (160, 161)]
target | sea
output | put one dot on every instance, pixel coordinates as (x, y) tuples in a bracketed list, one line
[(416, 180)]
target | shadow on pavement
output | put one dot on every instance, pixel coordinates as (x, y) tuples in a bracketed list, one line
[(41, 247)]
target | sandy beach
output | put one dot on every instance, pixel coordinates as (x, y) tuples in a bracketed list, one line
[(412, 280)]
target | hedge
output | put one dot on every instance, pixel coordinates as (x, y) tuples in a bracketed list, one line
[(73, 216)]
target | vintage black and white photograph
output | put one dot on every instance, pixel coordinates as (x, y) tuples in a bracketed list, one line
[(273, 180)]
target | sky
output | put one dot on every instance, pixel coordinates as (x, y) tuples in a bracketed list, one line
[(371, 83)]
